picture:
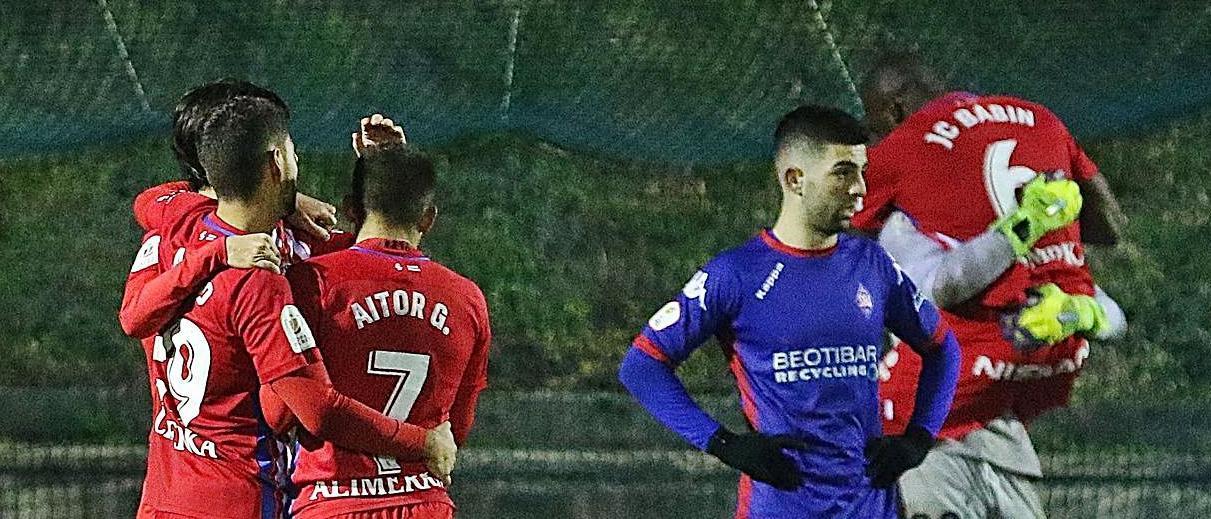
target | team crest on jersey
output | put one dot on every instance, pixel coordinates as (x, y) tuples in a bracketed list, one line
[(297, 331), (862, 298)]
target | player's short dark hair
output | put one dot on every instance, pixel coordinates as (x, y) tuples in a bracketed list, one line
[(235, 141), (395, 181), (190, 114), (817, 126)]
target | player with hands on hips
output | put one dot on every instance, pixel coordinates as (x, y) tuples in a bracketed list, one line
[(801, 311)]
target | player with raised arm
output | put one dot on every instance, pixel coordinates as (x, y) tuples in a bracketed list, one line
[(978, 198), (801, 311), (211, 452), (145, 309), (399, 332)]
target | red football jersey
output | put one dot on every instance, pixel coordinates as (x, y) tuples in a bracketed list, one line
[(400, 333), (164, 209), (211, 454), (955, 167)]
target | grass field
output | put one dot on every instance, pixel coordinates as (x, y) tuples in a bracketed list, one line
[(573, 253)]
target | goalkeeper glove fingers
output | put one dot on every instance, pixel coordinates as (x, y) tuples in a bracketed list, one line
[(1051, 316), (760, 456), (889, 457), (1049, 202)]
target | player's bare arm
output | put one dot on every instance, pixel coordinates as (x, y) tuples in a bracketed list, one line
[(313, 216), (1102, 218)]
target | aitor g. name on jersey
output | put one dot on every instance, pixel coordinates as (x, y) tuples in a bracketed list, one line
[(400, 333)]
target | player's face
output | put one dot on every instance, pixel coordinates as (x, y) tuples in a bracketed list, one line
[(834, 187), (883, 112)]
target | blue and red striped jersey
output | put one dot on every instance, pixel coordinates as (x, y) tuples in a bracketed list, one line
[(803, 331)]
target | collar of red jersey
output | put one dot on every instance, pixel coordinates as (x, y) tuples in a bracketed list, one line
[(394, 249), (216, 224)]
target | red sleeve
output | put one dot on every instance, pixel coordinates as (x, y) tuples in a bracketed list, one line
[(877, 205), (274, 331), (151, 205), (276, 413), (334, 417), (152, 298), (475, 378), (307, 288)]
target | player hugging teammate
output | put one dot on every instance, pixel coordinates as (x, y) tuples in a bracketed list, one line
[(234, 366), (978, 197)]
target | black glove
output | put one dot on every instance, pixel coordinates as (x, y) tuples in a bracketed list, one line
[(760, 456), (888, 457)]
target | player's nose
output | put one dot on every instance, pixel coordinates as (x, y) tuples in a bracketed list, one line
[(858, 188)]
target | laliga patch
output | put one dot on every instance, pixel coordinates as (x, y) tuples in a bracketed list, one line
[(297, 331), (665, 316), (149, 254)]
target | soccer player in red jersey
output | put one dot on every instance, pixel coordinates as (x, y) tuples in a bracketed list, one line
[(955, 187), (211, 450), (398, 332), (311, 222)]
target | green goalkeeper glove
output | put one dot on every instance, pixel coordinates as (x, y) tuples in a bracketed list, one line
[(1051, 316), (1046, 205)]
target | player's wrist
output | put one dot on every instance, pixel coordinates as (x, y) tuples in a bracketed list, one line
[(1091, 316), (919, 436), (411, 439), (219, 249), (1016, 229), (720, 441)]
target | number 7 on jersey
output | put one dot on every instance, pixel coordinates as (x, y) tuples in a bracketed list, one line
[(412, 370)]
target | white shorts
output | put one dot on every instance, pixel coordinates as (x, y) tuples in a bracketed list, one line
[(949, 486)]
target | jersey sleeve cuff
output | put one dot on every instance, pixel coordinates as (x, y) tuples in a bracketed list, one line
[(644, 344)]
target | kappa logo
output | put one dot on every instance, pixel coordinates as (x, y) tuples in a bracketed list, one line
[(769, 281), (696, 289), (865, 303)]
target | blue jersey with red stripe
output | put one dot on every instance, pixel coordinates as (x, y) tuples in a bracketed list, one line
[(804, 332)]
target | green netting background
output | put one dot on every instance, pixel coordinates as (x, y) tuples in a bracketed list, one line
[(684, 81), (592, 155)]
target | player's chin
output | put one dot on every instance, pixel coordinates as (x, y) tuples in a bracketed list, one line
[(845, 222)]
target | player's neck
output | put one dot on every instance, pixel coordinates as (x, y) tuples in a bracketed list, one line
[(375, 227), (793, 231), (208, 192), (246, 216)]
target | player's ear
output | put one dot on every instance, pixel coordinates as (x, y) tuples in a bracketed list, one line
[(792, 180), (427, 219), (276, 167)]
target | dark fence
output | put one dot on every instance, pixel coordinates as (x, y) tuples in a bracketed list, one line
[(596, 455), (89, 481)]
